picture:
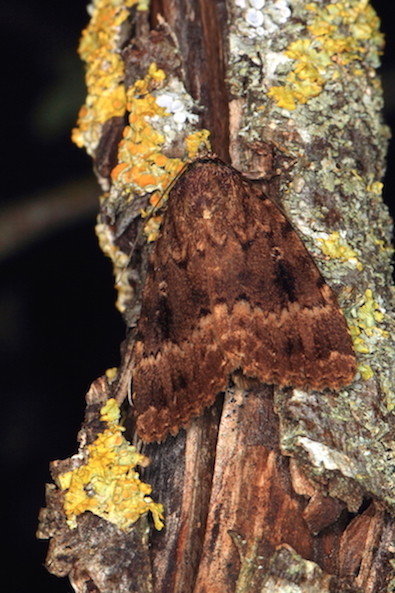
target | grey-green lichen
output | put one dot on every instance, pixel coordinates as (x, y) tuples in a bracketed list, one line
[(284, 571), (342, 441), (311, 45), (302, 77), (289, 572)]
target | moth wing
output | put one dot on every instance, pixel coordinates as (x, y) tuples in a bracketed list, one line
[(179, 366), (281, 322), (230, 286)]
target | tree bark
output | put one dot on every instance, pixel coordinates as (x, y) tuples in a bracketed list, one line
[(269, 488)]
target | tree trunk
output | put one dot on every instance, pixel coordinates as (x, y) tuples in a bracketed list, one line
[(269, 488)]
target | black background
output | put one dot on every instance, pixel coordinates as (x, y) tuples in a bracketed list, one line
[(59, 329)]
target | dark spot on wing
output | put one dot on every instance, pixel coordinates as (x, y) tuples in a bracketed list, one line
[(285, 280)]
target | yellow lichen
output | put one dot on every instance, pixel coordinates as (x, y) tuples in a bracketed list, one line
[(195, 141), (142, 165), (108, 485), (104, 70), (376, 188), (334, 246), (365, 371), (338, 35), (366, 314), (369, 313), (120, 261), (283, 96), (111, 373), (152, 228)]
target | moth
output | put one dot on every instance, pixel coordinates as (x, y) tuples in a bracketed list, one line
[(230, 288)]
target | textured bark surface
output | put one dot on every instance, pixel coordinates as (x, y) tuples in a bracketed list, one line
[(267, 489)]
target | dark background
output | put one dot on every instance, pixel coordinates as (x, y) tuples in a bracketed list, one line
[(59, 329)]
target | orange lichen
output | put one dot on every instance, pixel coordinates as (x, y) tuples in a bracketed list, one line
[(142, 165)]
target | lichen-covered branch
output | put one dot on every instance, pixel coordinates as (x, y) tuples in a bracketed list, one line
[(269, 488)]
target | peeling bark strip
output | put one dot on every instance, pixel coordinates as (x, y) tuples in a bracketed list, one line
[(230, 287)]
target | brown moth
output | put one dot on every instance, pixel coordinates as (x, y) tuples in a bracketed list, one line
[(230, 287)]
